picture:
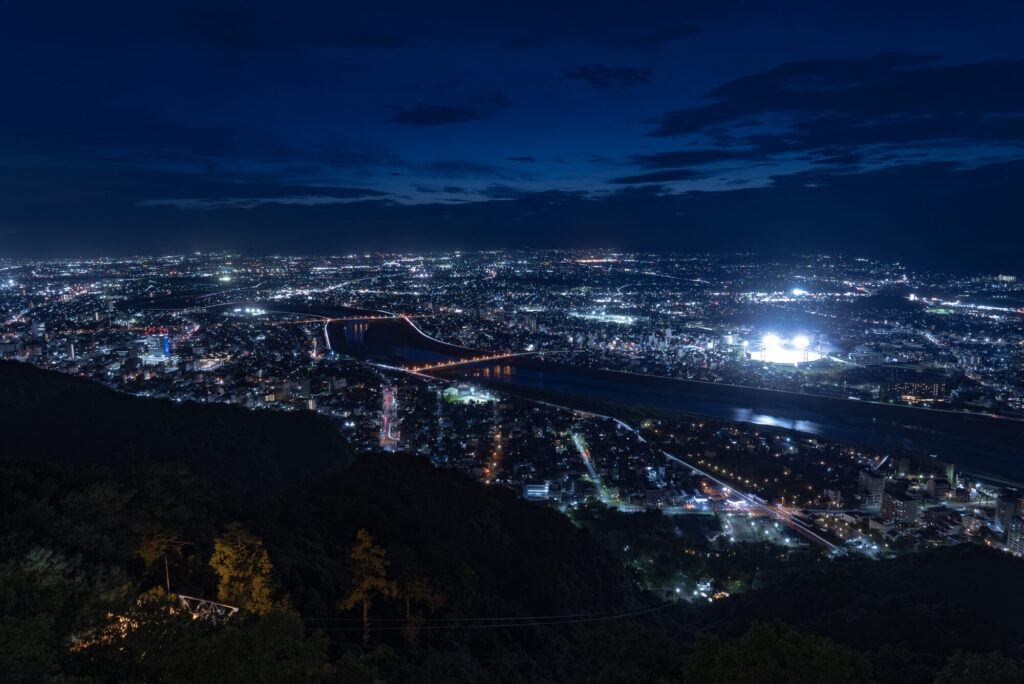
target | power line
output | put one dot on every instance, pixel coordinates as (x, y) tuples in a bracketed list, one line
[(529, 622), (601, 613)]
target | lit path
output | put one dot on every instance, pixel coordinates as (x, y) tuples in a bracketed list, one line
[(585, 454)]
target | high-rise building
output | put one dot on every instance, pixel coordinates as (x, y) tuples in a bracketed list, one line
[(901, 508), (389, 434), (871, 486), (937, 488), (951, 474), (1007, 508), (155, 345), (1015, 536)]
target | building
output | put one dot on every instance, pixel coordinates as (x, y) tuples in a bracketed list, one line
[(1015, 536), (901, 508), (919, 390), (536, 492), (871, 485), (157, 346), (938, 488), (1007, 509)]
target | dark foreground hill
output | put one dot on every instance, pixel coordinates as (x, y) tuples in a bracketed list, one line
[(487, 549), (459, 581), (58, 418)]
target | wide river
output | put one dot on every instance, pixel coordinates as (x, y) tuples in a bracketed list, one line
[(978, 444)]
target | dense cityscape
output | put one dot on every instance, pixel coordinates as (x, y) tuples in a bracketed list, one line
[(225, 328), (512, 343)]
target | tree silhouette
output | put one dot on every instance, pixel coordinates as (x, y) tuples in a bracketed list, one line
[(244, 569), (369, 578), (155, 545), (980, 668), (774, 652), (419, 590)]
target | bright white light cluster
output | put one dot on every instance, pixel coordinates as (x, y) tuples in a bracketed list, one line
[(774, 349)]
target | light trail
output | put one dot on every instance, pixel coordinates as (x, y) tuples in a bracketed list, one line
[(432, 339), (780, 514), (493, 357), (585, 455)]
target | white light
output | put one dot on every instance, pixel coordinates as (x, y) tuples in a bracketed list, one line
[(801, 342), (798, 292), (770, 341)]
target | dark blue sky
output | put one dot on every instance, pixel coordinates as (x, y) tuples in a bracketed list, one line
[(876, 128)]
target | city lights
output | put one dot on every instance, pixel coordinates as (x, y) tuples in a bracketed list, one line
[(776, 349)]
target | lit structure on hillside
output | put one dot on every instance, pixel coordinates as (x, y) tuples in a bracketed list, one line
[(389, 419)]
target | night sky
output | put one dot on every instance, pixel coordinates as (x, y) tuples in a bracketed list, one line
[(891, 129)]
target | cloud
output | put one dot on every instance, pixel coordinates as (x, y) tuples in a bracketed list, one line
[(68, 190), (661, 176), (600, 25), (247, 202), (889, 98), (663, 160), (499, 191), (840, 158), (520, 159), (939, 214), (464, 168), (611, 78), (658, 37), (525, 42), (844, 115), (304, 26), (435, 115), (439, 115)]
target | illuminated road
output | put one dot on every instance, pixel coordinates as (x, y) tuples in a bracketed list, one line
[(780, 514), (585, 454), (485, 359), (777, 513)]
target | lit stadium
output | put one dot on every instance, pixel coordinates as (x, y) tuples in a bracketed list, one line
[(775, 349)]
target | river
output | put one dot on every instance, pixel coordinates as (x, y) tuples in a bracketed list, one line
[(979, 444)]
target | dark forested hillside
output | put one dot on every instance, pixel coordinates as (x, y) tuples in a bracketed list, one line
[(909, 613), (489, 550), (57, 418), (394, 571)]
